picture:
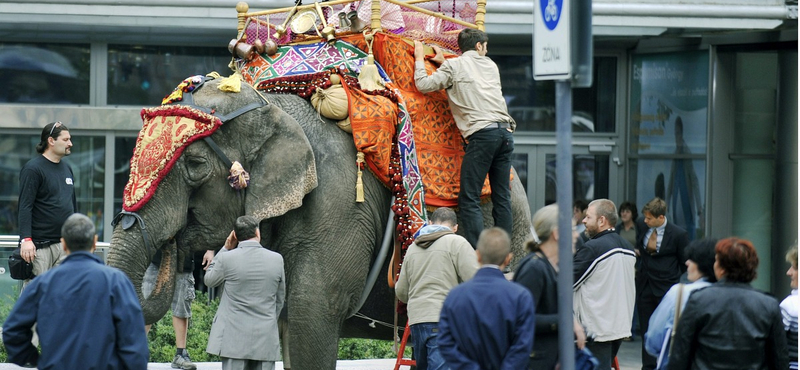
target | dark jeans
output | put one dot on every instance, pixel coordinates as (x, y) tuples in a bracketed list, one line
[(605, 352), (426, 350), (647, 304), (488, 152)]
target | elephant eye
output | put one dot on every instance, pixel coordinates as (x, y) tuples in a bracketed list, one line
[(197, 168)]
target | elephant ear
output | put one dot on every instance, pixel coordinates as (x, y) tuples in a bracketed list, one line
[(282, 169)]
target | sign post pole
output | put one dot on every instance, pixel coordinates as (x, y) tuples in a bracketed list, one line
[(566, 349), (562, 51)]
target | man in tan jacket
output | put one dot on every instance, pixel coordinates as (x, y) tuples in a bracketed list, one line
[(472, 83), (436, 262)]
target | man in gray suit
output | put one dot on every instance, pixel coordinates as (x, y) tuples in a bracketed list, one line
[(245, 330)]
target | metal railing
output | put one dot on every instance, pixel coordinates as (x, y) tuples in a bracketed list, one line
[(10, 242), (9, 288)]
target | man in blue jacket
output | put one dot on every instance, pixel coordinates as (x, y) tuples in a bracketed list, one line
[(87, 314), (488, 322)]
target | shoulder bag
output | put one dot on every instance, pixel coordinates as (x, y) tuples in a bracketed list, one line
[(18, 267), (585, 359)]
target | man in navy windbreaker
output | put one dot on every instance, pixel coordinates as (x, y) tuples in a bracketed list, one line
[(87, 315), (487, 323)]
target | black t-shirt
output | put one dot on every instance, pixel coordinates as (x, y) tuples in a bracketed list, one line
[(46, 199)]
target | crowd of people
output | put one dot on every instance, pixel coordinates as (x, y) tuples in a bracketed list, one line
[(713, 320), (464, 312)]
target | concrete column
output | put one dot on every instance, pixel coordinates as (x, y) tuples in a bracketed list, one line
[(786, 222)]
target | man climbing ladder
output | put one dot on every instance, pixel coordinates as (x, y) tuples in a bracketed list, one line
[(472, 82)]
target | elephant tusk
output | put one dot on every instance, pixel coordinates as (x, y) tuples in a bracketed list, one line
[(359, 182)]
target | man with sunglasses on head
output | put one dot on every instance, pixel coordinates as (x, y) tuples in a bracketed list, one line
[(46, 199)]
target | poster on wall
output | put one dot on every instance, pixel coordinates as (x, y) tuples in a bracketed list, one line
[(669, 121)]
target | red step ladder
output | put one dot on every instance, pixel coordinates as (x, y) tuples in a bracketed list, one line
[(400, 360)]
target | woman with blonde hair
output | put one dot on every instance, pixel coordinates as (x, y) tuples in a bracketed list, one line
[(538, 272)]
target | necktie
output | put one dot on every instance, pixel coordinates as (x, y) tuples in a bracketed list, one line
[(652, 242)]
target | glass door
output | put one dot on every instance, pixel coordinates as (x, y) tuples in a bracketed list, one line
[(592, 173)]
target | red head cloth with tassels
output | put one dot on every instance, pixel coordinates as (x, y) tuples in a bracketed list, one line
[(166, 132)]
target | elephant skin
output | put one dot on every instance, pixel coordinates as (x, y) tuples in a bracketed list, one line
[(302, 186)]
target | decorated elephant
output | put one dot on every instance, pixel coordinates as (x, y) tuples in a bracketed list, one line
[(302, 177)]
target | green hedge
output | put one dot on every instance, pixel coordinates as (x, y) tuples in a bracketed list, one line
[(162, 337), (359, 349), (6, 303)]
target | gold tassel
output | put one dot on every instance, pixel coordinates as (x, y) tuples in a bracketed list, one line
[(232, 83), (369, 78), (359, 181)]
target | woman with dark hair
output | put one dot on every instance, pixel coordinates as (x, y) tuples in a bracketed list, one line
[(700, 271), (626, 228), (538, 272), (730, 325)]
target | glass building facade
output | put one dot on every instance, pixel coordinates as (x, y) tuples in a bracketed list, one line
[(706, 120)]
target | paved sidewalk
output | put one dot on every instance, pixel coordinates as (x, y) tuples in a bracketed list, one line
[(384, 364), (629, 359), (630, 355)]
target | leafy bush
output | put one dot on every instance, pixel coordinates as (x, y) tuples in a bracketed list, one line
[(359, 349), (162, 336), (6, 304)]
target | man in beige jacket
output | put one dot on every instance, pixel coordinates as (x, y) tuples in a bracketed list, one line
[(472, 83), (436, 262)]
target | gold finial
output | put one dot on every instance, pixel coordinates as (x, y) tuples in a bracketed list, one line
[(375, 18), (241, 10), (480, 15)]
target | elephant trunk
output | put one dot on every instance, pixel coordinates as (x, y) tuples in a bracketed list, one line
[(129, 255)]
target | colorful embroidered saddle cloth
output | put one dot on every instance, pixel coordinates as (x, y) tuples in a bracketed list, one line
[(300, 69), (304, 60), (431, 131)]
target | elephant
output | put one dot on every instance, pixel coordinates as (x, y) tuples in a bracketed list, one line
[(302, 187)]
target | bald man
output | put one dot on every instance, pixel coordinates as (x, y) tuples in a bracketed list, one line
[(488, 321)]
